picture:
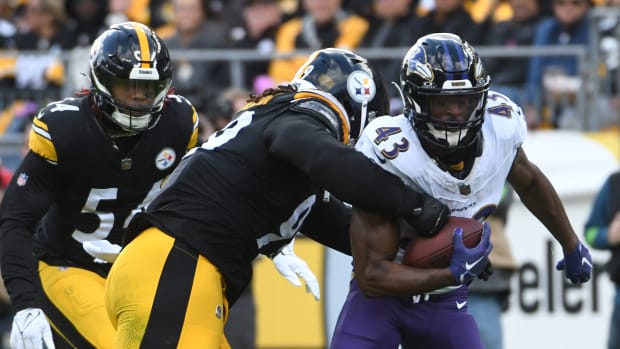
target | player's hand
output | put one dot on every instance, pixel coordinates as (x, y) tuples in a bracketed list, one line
[(577, 265), (30, 330), (467, 263), (292, 268), (103, 250), (487, 272), (428, 219)]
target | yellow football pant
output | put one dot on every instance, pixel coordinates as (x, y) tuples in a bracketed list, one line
[(159, 294), (75, 306)]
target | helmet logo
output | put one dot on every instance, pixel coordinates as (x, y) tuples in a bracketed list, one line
[(361, 86), (165, 159), (418, 64)]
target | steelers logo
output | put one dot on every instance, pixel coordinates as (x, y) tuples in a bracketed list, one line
[(165, 158), (361, 86)]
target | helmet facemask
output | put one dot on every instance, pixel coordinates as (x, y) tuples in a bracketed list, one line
[(453, 129), (143, 101)]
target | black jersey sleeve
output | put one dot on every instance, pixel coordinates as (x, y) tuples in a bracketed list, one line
[(307, 143), (25, 201), (328, 223)]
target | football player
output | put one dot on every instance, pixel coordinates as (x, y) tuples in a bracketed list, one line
[(459, 142), (249, 189), (94, 161)]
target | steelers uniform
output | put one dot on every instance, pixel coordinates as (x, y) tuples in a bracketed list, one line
[(249, 189), (75, 185), (393, 143)]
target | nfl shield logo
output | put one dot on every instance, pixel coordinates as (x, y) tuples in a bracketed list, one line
[(22, 179), (464, 189)]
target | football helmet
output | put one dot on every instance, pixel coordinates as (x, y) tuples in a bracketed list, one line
[(131, 73), (351, 80), (440, 70)]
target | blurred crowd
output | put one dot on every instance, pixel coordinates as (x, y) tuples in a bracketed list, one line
[(43, 43)]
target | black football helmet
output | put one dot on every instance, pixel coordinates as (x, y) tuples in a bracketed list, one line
[(131, 73), (350, 78), (438, 65)]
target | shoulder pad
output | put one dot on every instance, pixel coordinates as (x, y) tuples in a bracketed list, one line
[(320, 111), (41, 140)]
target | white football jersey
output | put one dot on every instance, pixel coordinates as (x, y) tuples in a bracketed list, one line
[(393, 144)]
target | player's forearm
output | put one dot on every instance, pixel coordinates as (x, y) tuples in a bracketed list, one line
[(389, 279)]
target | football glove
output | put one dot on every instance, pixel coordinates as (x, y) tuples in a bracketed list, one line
[(467, 263), (429, 217), (30, 330), (103, 250), (577, 265), (292, 268)]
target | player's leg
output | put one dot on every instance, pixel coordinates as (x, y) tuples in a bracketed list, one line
[(366, 323), (73, 300), (441, 322), (486, 308), (613, 341), (161, 295)]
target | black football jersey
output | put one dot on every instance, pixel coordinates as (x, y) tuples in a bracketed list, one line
[(263, 178), (75, 184)]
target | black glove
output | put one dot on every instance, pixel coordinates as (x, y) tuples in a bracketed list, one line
[(487, 272), (429, 217)]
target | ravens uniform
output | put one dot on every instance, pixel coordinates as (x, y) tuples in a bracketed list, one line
[(247, 190), (460, 142), (83, 179)]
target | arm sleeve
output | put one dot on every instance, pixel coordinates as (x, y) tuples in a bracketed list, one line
[(307, 144), (596, 227), (328, 223), (24, 203)]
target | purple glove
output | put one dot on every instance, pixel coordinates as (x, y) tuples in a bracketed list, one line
[(577, 265), (466, 263)]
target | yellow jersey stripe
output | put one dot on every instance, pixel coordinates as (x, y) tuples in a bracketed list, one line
[(145, 53), (193, 140), (40, 142)]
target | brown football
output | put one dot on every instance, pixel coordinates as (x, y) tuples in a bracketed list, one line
[(436, 251)]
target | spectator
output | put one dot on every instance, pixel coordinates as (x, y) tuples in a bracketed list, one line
[(602, 231), (222, 111), (487, 300), (197, 80), (324, 24), (449, 16), (609, 45), (38, 71), (124, 10), (390, 20), (509, 73), (256, 30), (87, 21), (555, 79)]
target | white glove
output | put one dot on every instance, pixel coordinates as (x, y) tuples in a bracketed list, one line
[(103, 250), (290, 266), (30, 330)]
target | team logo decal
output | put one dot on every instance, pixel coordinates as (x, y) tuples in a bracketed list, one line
[(418, 65), (218, 311), (165, 158), (361, 86)]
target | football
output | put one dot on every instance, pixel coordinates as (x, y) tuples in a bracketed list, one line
[(435, 252)]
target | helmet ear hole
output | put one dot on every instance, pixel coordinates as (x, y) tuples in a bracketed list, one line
[(130, 73), (442, 64), (351, 79)]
